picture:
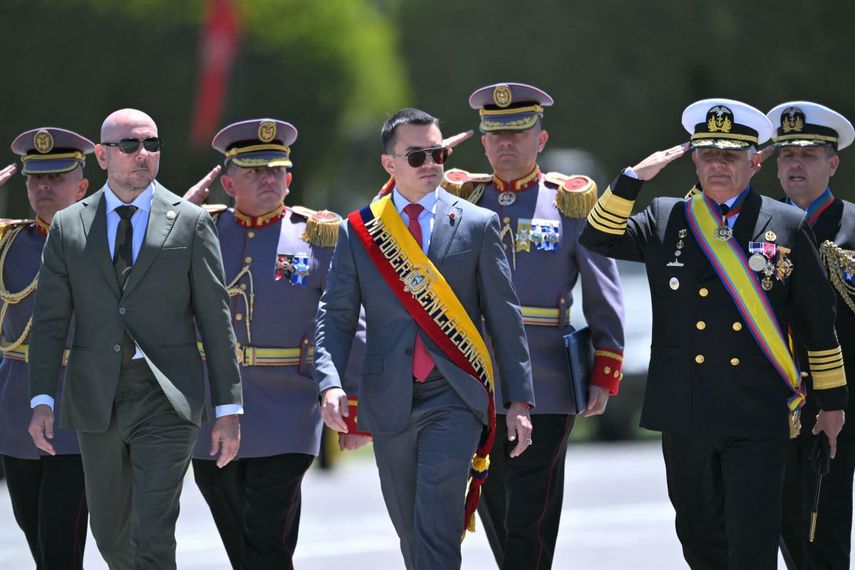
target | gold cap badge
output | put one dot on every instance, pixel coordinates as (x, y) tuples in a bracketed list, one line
[(266, 131), (502, 95), (43, 141)]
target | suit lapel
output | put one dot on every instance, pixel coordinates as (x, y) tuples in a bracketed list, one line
[(160, 223), (94, 221), (447, 219), (752, 221)]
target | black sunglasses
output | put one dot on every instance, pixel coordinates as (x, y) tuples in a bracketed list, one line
[(130, 146), (415, 158)]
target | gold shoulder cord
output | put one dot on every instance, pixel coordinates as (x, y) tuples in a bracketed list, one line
[(9, 298), (837, 260), (235, 290)]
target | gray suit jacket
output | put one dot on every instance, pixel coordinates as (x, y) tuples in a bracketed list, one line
[(467, 251), (176, 285)]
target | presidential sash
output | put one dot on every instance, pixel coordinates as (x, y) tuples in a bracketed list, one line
[(429, 299), (742, 284)]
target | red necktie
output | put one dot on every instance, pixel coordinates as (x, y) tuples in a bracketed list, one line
[(422, 362)]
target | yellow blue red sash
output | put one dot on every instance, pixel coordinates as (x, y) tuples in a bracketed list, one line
[(429, 299), (742, 284)]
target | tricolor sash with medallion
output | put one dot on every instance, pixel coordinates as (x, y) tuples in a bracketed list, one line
[(742, 284), (429, 299)]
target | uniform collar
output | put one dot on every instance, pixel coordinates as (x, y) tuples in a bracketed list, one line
[(519, 184), (262, 221), (42, 226)]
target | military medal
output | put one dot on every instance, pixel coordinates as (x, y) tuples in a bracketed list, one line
[(766, 283), (770, 236), (507, 198), (723, 232), (757, 262), (300, 271), (784, 267), (523, 235)]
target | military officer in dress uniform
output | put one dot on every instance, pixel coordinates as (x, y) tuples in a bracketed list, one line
[(733, 275), (541, 215), (276, 259), (47, 491), (808, 137)]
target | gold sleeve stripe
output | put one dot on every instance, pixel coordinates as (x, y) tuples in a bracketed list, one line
[(826, 360), (829, 352), (828, 380), (609, 354), (609, 216), (620, 206), (825, 368), (606, 228)]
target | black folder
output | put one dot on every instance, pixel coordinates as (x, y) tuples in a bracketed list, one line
[(580, 361)]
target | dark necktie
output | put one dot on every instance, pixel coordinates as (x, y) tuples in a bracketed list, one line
[(123, 252), (123, 262), (725, 209), (422, 362)]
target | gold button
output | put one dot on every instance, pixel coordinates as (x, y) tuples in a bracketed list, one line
[(701, 325), (238, 317), (703, 292), (607, 370), (243, 286), (734, 362), (699, 359), (248, 260), (250, 235), (737, 326), (805, 374)]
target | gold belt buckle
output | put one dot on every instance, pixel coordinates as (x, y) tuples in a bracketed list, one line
[(795, 423), (240, 354)]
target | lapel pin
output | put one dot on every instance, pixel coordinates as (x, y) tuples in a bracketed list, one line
[(451, 218), (171, 214)]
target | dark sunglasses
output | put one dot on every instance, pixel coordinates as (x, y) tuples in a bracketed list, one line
[(415, 158), (130, 146)]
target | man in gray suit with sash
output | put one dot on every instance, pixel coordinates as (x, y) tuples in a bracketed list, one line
[(427, 267), (138, 270)]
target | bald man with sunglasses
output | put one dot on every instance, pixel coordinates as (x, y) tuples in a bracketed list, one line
[(138, 270)]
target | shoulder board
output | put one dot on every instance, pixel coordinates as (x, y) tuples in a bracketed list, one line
[(321, 226), (214, 210), (576, 194), (466, 185)]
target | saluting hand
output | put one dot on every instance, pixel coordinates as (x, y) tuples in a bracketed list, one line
[(831, 422), (198, 193), (7, 173), (598, 399), (41, 428), (225, 439), (519, 427), (334, 409), (653, 164)]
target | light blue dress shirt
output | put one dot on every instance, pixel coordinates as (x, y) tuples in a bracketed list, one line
[(426, 218)]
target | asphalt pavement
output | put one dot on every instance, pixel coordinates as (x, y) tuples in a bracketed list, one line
[(616, 516)]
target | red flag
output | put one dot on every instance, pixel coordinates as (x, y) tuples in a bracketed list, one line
[(217, 51)]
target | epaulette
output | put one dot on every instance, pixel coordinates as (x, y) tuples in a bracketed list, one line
[(467, 185), (7, 225), (576, 194), (321, 226), (214, 210)]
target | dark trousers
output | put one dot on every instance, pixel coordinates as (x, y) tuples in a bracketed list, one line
[(49, 501), (521, 500), (134, 474), (424, 471), (727, 496), (832, 543), (255, 503)]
